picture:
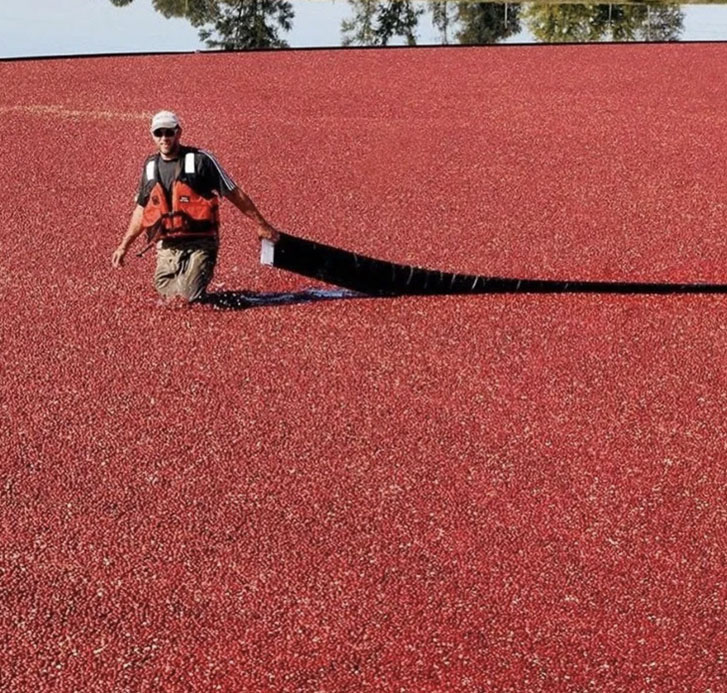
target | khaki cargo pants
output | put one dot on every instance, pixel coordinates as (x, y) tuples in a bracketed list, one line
[(185, 268)]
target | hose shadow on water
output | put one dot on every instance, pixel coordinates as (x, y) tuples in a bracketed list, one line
[(242, 300)]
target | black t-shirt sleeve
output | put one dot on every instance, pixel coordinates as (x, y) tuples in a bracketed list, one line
[(214, 176)]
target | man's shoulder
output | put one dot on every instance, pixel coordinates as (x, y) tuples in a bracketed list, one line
[(148, 170), (150, 160), (183, 151), (187, 149), (209, 166), (202, 156)]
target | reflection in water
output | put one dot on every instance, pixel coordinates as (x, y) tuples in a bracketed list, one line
[(245, 24), (231, 24), (476, 23), (376, 23), (585, 23), (443, 18), (486, 22)]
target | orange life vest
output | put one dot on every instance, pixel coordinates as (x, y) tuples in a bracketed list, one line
[(191, 215)]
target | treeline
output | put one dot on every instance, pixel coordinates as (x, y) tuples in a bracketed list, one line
[(248, 24)]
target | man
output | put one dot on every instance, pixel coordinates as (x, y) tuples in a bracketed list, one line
[(177, 205)]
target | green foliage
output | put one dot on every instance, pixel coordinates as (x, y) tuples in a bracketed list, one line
[(241, 24), (574, 23), (231, 24), (249, 24), (359, 30), (443, 16), (376, 23), (198, 12), (487, 22)]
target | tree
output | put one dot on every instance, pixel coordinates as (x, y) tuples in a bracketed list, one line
[(240, 24), (562, 23), (376, 23), (585, 23), (359, 30), (231, 24), (198, 12), (442, 17), (662, 22), (398, 19), (487, 22)]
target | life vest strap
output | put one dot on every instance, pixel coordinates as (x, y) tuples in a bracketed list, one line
[(188, 226), (189, 162)]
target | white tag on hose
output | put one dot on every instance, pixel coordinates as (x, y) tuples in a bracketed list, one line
[(267, 252)]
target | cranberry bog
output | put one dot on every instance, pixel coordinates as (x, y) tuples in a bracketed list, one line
[(485, 493)]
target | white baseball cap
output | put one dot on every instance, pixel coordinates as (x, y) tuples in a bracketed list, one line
[(164, 119)]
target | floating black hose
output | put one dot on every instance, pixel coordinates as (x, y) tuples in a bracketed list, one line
[(380, 278)]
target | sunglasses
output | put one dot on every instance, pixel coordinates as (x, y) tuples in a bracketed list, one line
[(165, 132)]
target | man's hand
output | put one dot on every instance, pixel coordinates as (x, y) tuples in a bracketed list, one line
[(117, 259), (135, 228), (269, 232)]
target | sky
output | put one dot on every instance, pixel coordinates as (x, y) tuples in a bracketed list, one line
[(60, 27), (67, 27)]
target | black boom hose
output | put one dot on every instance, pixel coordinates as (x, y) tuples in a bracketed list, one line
[(380, 278)]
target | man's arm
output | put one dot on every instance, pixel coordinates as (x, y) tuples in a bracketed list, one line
[(248, 208), (134, 230)]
